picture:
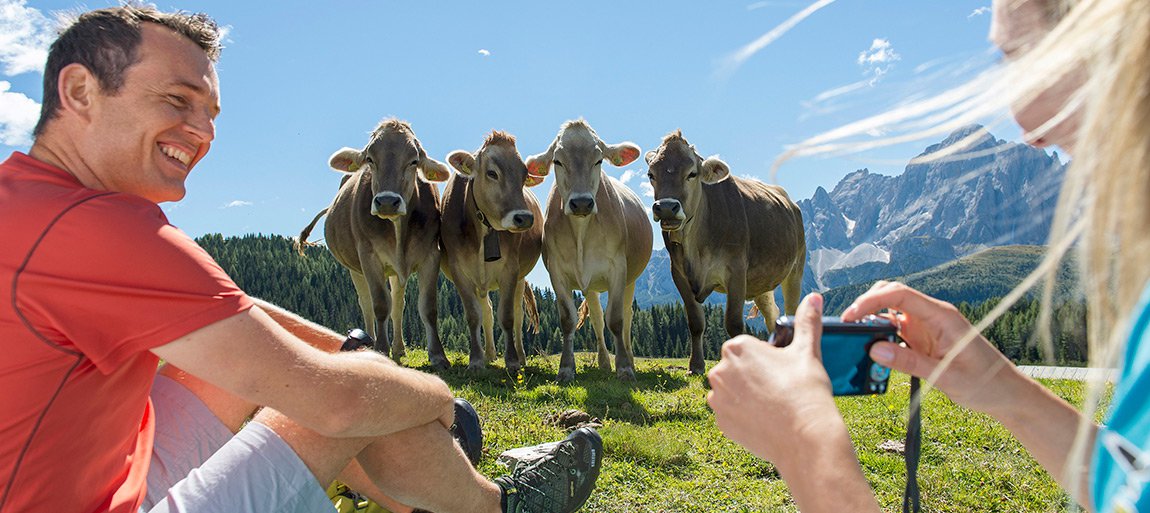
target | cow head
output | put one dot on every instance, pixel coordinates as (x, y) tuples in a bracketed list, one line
[(677, 175), (498, 176), (394, 158), (578, 154)]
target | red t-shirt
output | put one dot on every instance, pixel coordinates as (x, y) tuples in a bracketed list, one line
[(90, 281)]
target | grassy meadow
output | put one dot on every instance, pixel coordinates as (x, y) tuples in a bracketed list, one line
[(664, 452)]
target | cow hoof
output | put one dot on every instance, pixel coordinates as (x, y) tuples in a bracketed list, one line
[(626, 374), (514, 367), (697, 371), (440, 363), (566, 375), (605, 362)]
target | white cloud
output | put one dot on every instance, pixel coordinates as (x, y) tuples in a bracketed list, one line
[(647, 189), (238, 203), (878, 60), (731, 63), (18, 115), (628, 174), (880, 52), (25, 34), (978, 12), (484, 52)]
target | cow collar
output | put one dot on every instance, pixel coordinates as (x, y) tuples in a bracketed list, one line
[(491, 251)]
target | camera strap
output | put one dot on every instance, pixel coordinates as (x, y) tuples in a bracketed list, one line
[(913, 448)]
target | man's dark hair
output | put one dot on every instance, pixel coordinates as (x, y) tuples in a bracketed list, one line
[(106, 41)]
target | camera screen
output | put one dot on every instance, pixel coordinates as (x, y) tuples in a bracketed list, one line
[(850, 367)]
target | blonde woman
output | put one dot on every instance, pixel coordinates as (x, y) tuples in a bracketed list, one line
[(1078, 76)]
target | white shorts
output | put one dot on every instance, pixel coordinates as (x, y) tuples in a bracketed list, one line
[(198, 466)]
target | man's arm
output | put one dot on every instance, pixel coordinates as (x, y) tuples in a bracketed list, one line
[(336, 394)]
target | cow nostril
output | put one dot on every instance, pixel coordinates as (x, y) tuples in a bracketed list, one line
[(582, 205), (523, 220)]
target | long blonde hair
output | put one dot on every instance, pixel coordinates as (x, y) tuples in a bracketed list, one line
[(1104, 204)]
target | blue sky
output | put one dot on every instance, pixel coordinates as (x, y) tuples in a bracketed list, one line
[(301, 79)]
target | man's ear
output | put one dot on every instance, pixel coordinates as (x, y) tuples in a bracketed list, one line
[(434, 170), (77, 88), (533, 180), (714, 170), (462, 161), (346, 160), (621, 154)]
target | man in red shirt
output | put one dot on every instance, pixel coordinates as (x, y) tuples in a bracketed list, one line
[(96, 287)]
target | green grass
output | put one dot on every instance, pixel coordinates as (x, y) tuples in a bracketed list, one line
[(665, 454)]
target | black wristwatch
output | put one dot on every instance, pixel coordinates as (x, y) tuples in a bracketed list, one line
[(357, 338)]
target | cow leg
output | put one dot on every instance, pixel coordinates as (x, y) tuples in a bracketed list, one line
[(695, 322), (363, 294), (428, 313), (473, 311), (595, 312), (398, 303), (511, 320), (619, 315), (768, 309), (380, 302), (792, 286), (568, 318), (733, 315), (488, 327)]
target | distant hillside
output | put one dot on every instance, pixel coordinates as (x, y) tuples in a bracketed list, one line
[(870, 226), (990, 273)]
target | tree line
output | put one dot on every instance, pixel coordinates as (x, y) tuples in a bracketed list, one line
[(319, 288)]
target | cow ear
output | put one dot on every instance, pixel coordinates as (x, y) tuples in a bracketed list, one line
[(434, 170), (347, 160), (462, 161), (649, 156), (533, 180), (621, 154), (539, 165), (715, 170)]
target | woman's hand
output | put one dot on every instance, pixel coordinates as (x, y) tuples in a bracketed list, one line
[(766, 397), (932, 329), (777, 402)]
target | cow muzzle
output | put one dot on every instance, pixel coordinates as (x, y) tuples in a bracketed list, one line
[(581, 205), (518, 221), (388, 205), (669, 214)]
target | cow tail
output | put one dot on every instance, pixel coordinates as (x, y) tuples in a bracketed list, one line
[(584, 311), (301, 242), (530, 307)]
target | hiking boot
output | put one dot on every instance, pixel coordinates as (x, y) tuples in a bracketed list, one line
[(559, 482), (466, 430)]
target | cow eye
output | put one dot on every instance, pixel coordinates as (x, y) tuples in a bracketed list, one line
[(492, 175), (600, 163), (414, 163), (557, 163), (368, 161), (692, 175)]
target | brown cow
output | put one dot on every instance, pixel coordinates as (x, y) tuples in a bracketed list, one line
[(596, 239), (491, 240), (738, 236), (383, 225)]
